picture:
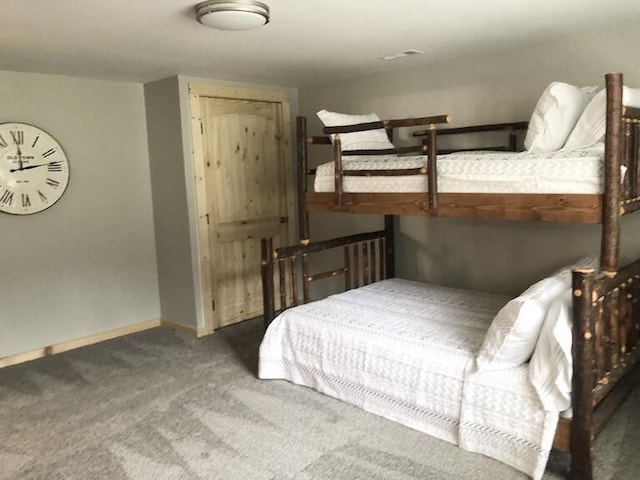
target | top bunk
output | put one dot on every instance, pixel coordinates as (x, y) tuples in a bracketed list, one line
[(358, 179), (433, 191)]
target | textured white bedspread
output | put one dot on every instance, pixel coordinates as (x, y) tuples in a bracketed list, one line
[(503, 418), (564, 171), (401, 350)]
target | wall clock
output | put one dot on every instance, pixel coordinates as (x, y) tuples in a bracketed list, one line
[(34, 171)]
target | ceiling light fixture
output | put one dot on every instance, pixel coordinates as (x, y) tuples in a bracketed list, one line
[(232, 14)]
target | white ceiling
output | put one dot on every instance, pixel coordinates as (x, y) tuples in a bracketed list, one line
[(307, 42)]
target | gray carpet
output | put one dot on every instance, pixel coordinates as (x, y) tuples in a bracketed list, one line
[(159, 405)]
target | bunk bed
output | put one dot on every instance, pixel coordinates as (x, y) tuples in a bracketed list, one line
[(605, 331)]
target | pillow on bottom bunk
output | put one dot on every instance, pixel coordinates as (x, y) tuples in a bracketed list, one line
[(513, 334), (551, 366)]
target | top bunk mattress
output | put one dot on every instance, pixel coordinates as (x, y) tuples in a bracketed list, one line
[(564, 171)]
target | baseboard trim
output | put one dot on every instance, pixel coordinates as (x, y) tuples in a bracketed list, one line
[(77, 343), (177, 327)]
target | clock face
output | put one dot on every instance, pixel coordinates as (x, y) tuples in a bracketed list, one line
[(34, 171)]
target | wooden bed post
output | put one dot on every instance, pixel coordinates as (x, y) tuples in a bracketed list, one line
[(266, 268), (431, 167), (610, 245), (337, 170), (582, 431), (303, 213), (389, 254), (632, 132)]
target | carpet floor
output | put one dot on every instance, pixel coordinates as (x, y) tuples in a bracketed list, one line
[(160, 405)]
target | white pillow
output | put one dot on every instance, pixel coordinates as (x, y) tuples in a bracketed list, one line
[(513, 334), (514, 331), (591, 126), (368, 140), (551, 366), (555, 115)]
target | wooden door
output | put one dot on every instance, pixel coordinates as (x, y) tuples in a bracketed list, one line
[(248, 197)]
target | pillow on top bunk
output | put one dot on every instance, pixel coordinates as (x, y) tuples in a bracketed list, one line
[(513, 333), (591, 125), (551, 366), (368, 140), (555, 116)]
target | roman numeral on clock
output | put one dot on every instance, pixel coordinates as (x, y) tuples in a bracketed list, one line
[(3, 142), (53, 183), (26, 202), (35, 141), (54, 167), (18, 137), (42, 196), (48, 153), (7, 198)]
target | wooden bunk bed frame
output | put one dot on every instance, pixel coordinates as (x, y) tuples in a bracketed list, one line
[(622, 140), (606, 305)]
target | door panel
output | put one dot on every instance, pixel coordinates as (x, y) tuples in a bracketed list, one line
[(246, 191)]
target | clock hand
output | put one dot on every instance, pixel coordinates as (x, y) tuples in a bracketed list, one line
[(29, 167), (19, 158)]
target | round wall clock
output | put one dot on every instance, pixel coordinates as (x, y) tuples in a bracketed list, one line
[(34, 171)]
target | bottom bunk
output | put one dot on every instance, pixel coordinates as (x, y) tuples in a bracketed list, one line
[(446, 362), (405, 351)]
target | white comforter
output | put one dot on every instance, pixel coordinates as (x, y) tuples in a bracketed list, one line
[(564, 171), (405, 351)]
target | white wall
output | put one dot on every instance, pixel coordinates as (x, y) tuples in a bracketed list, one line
[(87, 264), (495, 256)]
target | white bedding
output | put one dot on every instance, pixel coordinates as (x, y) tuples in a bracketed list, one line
[(403, 350), (564, 171), (502, 417)]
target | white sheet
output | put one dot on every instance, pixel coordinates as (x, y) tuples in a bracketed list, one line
[(401, 350), (564, 171)]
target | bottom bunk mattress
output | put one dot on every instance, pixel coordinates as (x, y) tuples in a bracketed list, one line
[(405, 351)]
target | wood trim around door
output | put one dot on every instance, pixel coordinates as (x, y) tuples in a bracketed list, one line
[(196, 91)]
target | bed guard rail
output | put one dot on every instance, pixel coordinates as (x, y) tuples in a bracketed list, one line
[(428, 147), (366, 258)]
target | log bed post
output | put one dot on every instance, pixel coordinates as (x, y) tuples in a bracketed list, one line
[(337, 170), (390, 263), (266, 269), (610, 245), (303, 213), (633, 147), (431, 167), (582, 432)]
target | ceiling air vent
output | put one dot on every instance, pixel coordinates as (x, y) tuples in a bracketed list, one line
[(406, 53)]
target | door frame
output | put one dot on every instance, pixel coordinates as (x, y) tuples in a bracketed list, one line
[(196, 91)]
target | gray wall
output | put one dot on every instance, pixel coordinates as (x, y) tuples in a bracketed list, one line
[(497, 256), (87, 264), (170, 201)]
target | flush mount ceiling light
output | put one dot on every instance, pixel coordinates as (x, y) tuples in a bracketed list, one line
[(232, 15)]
